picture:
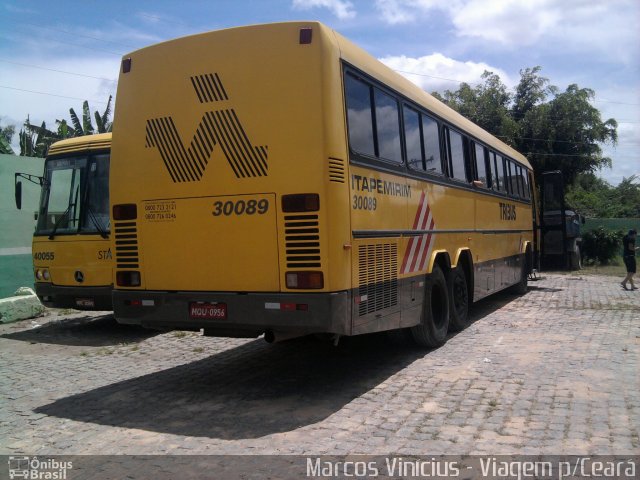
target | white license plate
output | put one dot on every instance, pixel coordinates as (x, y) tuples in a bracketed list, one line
[(85, 302), (208, 310)]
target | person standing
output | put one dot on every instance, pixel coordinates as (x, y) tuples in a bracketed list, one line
[(629, 256)]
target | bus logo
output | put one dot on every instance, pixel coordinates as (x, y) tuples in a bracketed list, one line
[(219, 127), (18, 467)]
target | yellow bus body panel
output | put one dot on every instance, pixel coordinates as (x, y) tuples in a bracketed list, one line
[(89, 254), (230, 87)]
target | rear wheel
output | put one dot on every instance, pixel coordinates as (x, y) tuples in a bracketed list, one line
[(458, 300), (432, 330)]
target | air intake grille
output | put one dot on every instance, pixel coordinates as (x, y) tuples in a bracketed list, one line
[(378, 277), (126, 235), (302, 237), (336, 170)]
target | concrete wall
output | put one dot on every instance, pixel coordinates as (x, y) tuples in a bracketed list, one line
[(17, 226)]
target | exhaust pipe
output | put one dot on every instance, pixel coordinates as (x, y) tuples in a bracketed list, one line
[(274, 337)]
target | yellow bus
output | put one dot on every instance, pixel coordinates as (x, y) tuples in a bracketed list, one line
[(277, 179), (72, 257)]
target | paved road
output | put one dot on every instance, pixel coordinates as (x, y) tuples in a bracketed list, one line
[(552, 372)]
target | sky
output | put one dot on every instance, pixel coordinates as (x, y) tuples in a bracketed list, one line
[(55, 55)]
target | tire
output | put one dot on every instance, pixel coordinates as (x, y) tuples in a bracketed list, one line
[(432, 330), (458, 300), (575, 260)]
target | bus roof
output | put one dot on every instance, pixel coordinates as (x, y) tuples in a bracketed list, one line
[(359, 58), (362, 60), (100, 141)]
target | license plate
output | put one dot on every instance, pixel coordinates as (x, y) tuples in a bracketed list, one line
[(208, 310), (85, 302)]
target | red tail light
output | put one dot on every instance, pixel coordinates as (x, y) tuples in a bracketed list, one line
[(305, 280), (128, 279), (301, 202), (126, 211)]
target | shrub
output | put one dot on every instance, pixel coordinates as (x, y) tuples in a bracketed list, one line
[(602, 245)]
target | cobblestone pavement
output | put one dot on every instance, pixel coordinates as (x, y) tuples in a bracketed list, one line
[(551, 372)]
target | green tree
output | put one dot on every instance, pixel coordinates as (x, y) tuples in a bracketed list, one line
[(85, 127), (563, 133), (36, 140), (531, 91), (487, 104), (596, 198), (6, 135)]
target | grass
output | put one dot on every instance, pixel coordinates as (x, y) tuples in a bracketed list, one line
[(615, 268)]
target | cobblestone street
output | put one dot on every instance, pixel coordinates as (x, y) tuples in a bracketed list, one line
[(552, 372)]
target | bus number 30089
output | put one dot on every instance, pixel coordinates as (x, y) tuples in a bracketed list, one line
[(250, 207), (364, 203)]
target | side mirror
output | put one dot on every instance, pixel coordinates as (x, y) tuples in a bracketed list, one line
[(583, 219), (18, 195)]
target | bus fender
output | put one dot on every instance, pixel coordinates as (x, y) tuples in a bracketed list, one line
[(527, 252), (524, 245), (459, 253), (434, 259)]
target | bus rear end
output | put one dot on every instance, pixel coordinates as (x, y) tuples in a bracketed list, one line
[(228, 189)]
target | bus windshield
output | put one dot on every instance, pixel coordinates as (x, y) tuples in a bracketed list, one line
[(75, 196)]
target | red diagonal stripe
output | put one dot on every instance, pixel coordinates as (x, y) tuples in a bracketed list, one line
[(425, 254)]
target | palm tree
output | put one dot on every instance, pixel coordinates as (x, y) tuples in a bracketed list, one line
[(35, 141), (6, 134), (86, 127)]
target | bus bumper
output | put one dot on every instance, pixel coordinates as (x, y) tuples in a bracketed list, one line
[(247, 315), (82, 298)]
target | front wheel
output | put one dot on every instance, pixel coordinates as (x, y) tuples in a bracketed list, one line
[(432, 330)]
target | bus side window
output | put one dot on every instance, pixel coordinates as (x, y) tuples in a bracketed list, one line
[(359, 116), (513, 173), (504, 179), (520, 181), (481, 167), (493, 163), (387, 122), (422, 142), (413, 139), (431, 138), (525, 180), (510, 179), (456, 155), (432, 153)]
